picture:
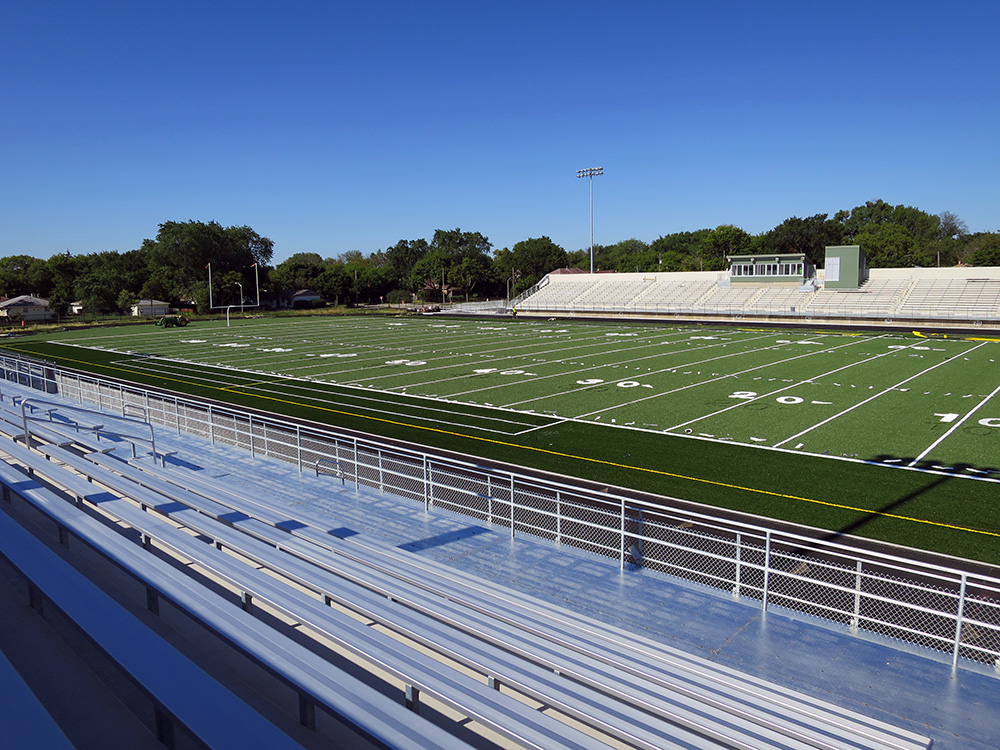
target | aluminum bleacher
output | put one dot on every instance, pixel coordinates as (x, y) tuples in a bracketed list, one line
[(488, 654)]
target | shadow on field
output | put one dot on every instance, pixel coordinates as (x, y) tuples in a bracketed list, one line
[(890, 508)]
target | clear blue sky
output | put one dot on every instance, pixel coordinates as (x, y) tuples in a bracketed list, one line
[(336, 126)]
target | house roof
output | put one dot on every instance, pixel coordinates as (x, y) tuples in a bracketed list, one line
[(24, 300)]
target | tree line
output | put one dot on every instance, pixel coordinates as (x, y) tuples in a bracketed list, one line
[(458, 265)]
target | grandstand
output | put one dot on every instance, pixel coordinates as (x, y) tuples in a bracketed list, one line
[(900, 297), (252, 603)]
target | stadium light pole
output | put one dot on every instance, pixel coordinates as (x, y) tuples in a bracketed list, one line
[(591, 172)]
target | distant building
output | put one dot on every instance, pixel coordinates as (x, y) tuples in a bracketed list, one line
[(150, 308), (288, 299), (26, 307)]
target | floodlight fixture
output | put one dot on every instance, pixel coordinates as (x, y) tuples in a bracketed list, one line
[(591, 172)]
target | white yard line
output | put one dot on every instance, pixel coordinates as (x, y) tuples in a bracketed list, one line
[(724, 377), (955, 426), (574, 373), (744, 402), (439, 412), (877, 395), (555, 421)]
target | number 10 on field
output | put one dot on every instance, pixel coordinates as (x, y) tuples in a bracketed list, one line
[(986, 422)]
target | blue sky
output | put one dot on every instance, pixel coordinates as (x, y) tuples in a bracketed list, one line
[(335, 126)]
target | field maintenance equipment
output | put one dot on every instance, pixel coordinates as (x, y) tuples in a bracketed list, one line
[(169, 321)]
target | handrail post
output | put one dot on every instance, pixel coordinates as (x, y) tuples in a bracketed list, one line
[(427, 483), (511, 506), (621, 532), (738, 572), (558, 517), (767, 568), (856, 620), (959, 621)]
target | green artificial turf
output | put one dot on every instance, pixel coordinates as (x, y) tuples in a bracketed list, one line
[(882, 390)]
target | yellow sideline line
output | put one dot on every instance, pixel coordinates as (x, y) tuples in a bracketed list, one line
[(493, 441)]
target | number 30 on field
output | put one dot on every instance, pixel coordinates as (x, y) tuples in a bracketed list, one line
[(987, 422)]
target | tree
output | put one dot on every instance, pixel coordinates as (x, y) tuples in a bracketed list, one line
[(625, 256), (23, 274), (527, 262), (99, 284), (300, 271), (681, 251), (63, 270), (469, 272), (721, 242), (888, 246), (181, 252), (125, 300), (403, 256), (811, 236), (333, 282), (985, 249), (449, 251)]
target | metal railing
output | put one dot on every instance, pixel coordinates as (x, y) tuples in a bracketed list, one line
[(941, 608)]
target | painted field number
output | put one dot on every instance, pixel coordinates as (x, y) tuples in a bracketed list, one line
[(985, 422), (750, 395)]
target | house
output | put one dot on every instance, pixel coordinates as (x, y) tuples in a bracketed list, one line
[(26, 307), (150, 307), (289, 299)]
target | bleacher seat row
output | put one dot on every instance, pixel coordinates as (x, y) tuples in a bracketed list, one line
[(971, 294), (469, 645)]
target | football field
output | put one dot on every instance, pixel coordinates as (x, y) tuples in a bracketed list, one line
[(842, 430), (881, 397)]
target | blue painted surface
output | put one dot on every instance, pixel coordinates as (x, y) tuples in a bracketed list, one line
[(900, 684)]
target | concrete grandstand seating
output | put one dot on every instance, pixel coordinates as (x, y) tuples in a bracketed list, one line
[(960, 297), (907, 294)]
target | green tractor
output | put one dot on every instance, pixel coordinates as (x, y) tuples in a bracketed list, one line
[(169, 321)]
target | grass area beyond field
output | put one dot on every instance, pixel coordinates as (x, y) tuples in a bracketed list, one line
[(888, 436)]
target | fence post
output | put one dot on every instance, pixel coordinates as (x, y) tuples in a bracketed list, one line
[(959, 621), (558, 517), (767, 569), (427, 484), (298, 448), (250, 431), (511, 506), (856, 620), (489, 499), (621, 538), (739, 570), (211, 422), (357, 468)]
